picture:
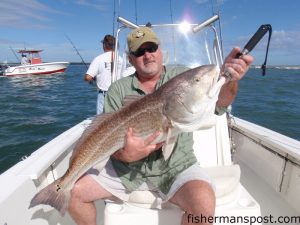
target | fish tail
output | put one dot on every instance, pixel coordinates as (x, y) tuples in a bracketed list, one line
[(53, 195)]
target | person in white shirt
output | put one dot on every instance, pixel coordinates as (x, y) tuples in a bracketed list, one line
[(100, 70), (24, 60)]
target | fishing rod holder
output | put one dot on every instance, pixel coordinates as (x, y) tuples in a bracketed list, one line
[(204, 24), (217, 47), (127, 23)]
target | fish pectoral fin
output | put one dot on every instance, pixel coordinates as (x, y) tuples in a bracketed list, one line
[(167, 148)]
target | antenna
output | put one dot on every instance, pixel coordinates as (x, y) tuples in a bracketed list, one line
[(114, 17), (135, 7), (171, 11)]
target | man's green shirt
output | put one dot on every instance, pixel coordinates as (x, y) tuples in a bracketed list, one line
[(153, 168)]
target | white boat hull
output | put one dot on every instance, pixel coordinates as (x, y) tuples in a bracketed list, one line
[(37, 69), (260, 176)]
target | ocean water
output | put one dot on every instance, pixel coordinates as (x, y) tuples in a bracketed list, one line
[(35, 109), (272, 101)]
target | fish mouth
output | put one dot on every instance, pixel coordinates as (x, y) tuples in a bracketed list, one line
[(212, 86), (215, 86), (215, 89)]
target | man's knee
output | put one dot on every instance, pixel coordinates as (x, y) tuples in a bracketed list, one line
[(201, 188), (205, 193), (77, 191), (195, 196), (87, 189)]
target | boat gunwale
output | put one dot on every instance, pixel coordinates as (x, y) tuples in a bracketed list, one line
[(277, 143)]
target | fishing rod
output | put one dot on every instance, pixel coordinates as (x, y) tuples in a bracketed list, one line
[(259, 34), (76, 51), (13, 51)]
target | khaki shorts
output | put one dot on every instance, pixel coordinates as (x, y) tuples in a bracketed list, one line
[(110, 181)]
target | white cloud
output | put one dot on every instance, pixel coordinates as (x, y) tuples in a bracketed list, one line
[(5, 41), (201, 1), (95, 4), (287, 40), (24, 14), (280, 40), (215, 2)]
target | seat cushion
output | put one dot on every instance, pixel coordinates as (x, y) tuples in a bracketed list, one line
[(225, 178)]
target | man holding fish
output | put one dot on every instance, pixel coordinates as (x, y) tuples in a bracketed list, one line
[(141, 165), (143, 141)]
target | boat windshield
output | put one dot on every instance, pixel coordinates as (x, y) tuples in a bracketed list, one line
[(180, 46)]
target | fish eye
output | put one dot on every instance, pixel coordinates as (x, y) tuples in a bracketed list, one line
[(197, 79)]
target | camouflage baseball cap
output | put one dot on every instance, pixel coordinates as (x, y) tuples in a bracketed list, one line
[(140, 36)]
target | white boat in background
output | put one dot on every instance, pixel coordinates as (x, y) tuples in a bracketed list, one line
[(256, 171), (35, 66)]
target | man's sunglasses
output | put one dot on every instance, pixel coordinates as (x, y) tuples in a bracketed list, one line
[(141, 51)]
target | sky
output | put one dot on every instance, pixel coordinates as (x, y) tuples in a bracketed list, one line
[(45, 24)]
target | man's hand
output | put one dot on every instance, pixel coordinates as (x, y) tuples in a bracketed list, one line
[(137, 148), (237, 67), (89, 78)]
